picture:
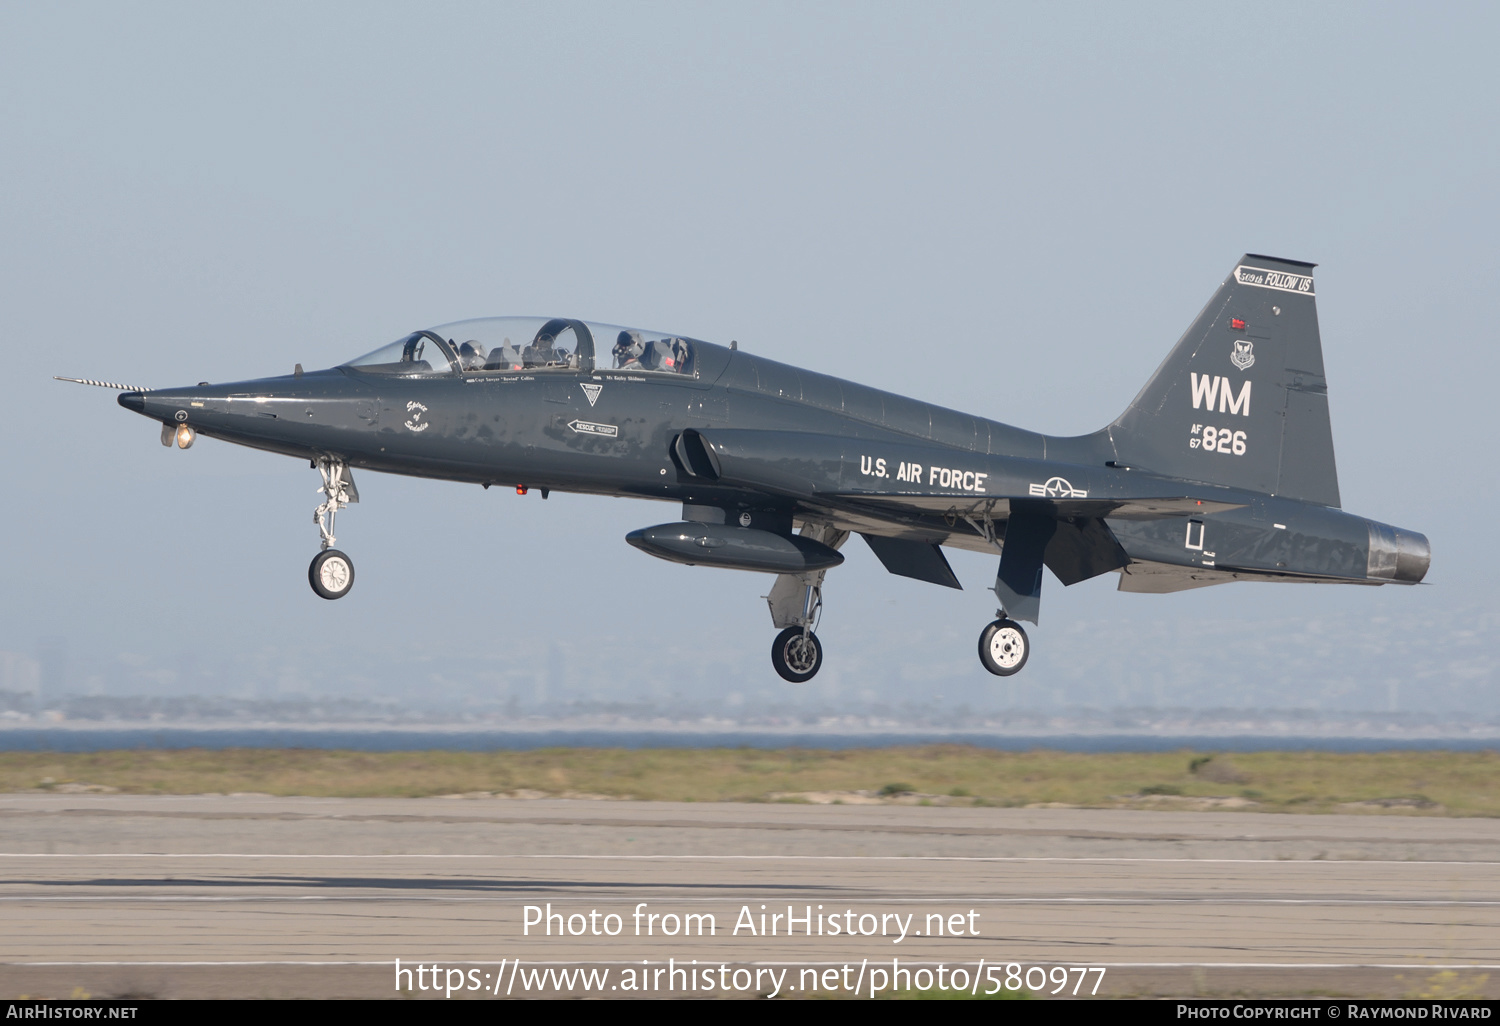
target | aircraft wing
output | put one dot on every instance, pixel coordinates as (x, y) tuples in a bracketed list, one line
[(998, 508), (907, 498), (906, 483)]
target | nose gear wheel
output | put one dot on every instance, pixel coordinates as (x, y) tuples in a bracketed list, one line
[(331, 574)]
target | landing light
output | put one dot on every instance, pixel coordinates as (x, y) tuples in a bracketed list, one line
[(185, 436)]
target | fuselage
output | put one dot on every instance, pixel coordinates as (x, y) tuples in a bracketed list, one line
[(814, 445)]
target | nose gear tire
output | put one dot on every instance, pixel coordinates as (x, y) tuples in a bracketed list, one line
[(797, 655), (331, 574), (1003, 648)]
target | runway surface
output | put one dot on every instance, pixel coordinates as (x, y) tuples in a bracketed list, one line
[(258, 896)]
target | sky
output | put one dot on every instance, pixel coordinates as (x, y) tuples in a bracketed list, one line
[(1037, 198)]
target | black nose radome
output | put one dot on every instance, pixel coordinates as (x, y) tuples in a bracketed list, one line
[(132, 401)]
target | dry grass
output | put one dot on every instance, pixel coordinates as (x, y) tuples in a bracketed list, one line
[(1425, 782)]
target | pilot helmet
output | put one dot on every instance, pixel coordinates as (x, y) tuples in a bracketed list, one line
[(471, 355)]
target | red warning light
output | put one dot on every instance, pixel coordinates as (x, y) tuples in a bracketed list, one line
[(521, 489), (1237, 323)]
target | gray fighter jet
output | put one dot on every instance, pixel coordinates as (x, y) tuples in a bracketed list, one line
[(1220, 470)]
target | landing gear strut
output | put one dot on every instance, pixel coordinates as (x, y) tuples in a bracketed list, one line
[(796, 602), (1003, 646), (797, 654), (332, 572)]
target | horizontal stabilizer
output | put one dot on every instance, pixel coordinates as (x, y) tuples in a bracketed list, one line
[(1152, 578)]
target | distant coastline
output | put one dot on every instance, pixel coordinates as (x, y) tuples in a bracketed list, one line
[(464, 737)]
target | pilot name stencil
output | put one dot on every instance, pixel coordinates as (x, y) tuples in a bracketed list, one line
[(937, 477), (584, 427)]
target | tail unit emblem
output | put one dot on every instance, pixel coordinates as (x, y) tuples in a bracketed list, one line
[(1285, 281)]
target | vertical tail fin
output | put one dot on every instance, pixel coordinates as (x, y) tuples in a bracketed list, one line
[(1242, 400)]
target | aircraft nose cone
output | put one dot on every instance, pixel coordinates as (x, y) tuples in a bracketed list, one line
[(133, 401)]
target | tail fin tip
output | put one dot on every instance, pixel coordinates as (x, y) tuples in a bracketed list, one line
[(1242, 399), (1279, 260)]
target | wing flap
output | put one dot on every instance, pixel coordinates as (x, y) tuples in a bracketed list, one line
[(922, 479), (912, 557), (998, 508)]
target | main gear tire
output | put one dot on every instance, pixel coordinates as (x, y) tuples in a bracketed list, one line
[(797, 655), (331, 574), (1003, 648)]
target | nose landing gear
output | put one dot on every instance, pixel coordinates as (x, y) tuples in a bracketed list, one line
[(332, 572)]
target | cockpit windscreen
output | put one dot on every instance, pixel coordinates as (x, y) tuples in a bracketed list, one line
[(528, 345), (420, 354)]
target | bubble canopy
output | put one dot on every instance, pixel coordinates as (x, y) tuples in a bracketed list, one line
[(528, 345)]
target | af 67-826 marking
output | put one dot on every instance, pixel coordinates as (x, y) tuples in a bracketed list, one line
[(1214, 439)]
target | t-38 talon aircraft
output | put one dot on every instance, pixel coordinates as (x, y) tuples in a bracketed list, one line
[(1220, 470)]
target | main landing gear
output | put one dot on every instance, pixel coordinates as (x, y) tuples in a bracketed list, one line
[(797, 654), (332, 572), (796, 602), (1003, 646)]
